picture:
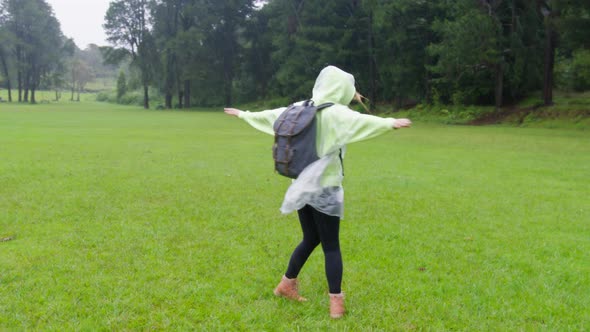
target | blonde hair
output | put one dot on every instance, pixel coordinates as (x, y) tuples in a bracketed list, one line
[(359, 98)]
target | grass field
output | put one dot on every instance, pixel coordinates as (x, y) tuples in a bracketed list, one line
[(124, 219)]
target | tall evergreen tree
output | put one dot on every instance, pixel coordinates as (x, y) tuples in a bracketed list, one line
[(126, 25), (404, 30), (486, 48), (310, 35), (223, 39), (256, 69)]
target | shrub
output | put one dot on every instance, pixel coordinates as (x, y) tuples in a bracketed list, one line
[(121, 85), (573, 74)]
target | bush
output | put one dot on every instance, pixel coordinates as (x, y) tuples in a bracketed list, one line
[(121, 85), (132, 98), (107, 97), (581, 68), (574, 74)]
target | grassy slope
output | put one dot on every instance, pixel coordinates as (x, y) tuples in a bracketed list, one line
[(570, 111), (126, 219)]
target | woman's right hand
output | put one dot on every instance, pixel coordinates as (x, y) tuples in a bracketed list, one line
[(232, 111), (402, 123)]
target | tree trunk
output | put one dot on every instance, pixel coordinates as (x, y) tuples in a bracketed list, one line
[(169, 81), (228, 82), (34, 82), (499, 86), (9, 91), (548, 65), (146, 97), (19, 74), (19, 80), (168, 100), (180, 98), (27, 86), (399, 99), (73, 81), (6, 74), (187, 94), (20, 93), (372, 69)]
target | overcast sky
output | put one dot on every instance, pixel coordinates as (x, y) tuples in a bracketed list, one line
[(82, 20)]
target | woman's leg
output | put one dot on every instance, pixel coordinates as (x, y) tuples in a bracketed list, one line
[(329, 232), (311, 239)]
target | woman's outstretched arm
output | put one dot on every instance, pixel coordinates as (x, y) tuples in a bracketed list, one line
[(262, 121)]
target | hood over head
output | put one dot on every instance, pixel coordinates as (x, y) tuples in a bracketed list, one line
[(333, 85)]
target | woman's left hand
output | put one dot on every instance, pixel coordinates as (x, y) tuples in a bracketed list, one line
[(232, 111)]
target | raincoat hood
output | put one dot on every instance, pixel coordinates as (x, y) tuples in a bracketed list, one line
[(333, 85)]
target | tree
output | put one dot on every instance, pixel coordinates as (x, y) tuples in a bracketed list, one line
[(81, 72), (463, 52), (403, 30), (56, 78), (75, 73), (549, 18), (311, 34), (34, 44), (566, 31), (255, 72), (466, 56), (85, 75), (121, 85), (94, 59), (200, 44), (228, 17), (167, 26), (486, 49), (126, 25), (4, 62)]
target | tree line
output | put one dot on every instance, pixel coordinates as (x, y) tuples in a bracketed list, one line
[(34, 54), (206, 53), (31, 46), (463, 52)]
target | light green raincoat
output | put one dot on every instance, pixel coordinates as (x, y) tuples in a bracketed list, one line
[(320, 183)]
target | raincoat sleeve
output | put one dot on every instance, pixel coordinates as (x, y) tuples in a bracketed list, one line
[(262, 121), (363, 126), (368, 126)]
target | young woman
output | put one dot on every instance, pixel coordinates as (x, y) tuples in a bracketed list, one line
[(317, 194)]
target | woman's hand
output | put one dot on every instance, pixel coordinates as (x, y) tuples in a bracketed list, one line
[(401, 123), (232, 111)]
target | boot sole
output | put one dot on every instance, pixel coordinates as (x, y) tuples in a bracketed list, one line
[(299, 299)]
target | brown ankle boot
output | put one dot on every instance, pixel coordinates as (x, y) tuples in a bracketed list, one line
[(337, 305), (288, 288)]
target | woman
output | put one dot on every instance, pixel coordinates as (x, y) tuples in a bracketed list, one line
[(317, 194)]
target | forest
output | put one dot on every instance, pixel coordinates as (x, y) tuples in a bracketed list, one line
[(402, 52)]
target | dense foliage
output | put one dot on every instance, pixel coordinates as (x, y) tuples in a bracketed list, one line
[(35, 55), (31, 46), (462, 52), (205, 53)]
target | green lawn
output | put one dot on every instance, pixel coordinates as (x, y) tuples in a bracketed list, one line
[(124, 219)]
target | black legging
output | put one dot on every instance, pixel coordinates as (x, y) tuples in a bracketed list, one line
[(318, 228)]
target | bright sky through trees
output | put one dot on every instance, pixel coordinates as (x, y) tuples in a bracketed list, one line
[(81, 20)]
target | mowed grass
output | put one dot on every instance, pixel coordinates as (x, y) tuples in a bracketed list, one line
[(124, 219)]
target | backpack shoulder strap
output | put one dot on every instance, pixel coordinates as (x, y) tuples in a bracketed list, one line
[(324, 105)]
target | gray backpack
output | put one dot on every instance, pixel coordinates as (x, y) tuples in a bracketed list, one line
[(295, 138)]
